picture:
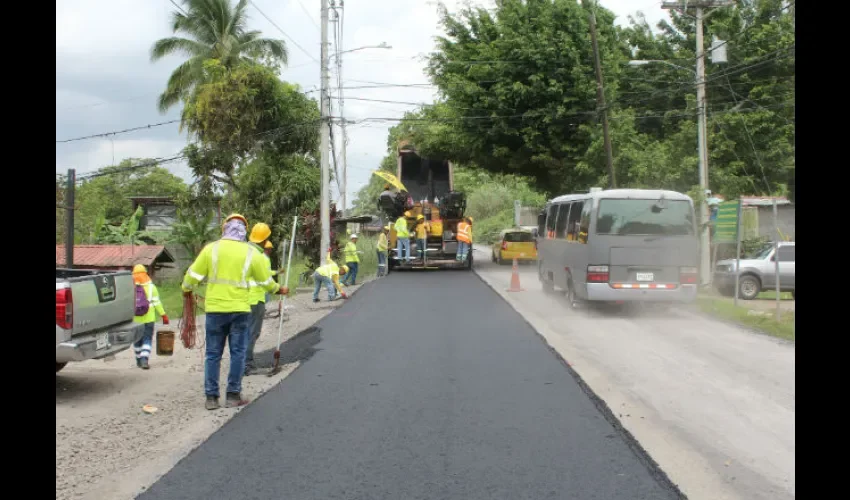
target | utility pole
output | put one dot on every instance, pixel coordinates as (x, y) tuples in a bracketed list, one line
[(69, 218), (325, 139), (702, 128), (600, 99), (344, 193)]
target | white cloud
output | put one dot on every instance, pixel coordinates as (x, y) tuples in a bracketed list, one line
[(105, 80)]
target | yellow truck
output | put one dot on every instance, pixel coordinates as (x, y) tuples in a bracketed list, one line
[(430, 185)]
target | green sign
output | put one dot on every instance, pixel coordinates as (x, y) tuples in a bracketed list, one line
[(726, 224)]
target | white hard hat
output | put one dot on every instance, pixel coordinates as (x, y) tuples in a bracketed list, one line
[(353, 236)]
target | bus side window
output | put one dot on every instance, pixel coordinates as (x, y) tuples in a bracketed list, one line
[(550, 221), (575, 216), (584, 223), (563, 214)]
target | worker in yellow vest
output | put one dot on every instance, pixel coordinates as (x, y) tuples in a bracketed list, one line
[(228, 266), (352, 261), (421, 230), (464, 239), (382, 247), (260, 234), (328, 276), (402, 234), (146, 311)]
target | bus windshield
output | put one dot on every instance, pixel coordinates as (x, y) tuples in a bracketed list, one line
[(645, 217)]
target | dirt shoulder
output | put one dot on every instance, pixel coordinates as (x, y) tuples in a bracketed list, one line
[(107, 447)]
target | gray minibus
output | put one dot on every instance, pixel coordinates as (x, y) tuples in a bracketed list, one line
[(619, 245)]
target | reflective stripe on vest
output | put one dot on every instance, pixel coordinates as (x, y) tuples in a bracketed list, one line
[(242, 283), (463, 230)]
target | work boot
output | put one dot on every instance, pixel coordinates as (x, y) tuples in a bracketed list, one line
[(234, 399), (138, 362), (212, 403), (251, 370), (143, 363), (315, 300)]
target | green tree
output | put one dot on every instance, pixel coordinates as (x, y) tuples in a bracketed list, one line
[(211, 29)]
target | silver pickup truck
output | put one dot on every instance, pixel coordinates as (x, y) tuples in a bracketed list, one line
[(94, 314)]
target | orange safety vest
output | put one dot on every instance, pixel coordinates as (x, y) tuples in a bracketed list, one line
[(463, 232)]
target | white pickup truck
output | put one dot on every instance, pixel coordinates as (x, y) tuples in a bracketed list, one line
[(94, 314)]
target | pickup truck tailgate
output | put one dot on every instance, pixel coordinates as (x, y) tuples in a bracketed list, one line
[(102, 300)]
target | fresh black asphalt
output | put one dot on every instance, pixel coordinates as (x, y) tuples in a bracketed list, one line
[(422, 386)]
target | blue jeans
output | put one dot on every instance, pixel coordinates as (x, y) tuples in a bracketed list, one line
[(320, 280), (462, 250), (351, 275), (421, 245), (235, 329), (142, 347), (403, 244), (382, 263)]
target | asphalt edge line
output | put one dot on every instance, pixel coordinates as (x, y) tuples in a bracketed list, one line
[(637, 449)]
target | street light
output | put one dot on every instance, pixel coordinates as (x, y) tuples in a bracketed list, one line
[(702, 147), (343, 195)]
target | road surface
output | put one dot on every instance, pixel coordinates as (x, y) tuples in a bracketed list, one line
[(713, 404), (422, 386)]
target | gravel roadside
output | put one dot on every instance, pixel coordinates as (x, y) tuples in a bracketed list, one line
[(107, 447)]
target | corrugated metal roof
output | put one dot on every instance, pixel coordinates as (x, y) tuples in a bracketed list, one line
[(113, 255)]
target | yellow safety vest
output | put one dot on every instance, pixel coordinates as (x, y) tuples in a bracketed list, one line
[(382, 242), (152, 294), (401, 230), (421, 231), (229, 267), (258, 293), (351, 252)]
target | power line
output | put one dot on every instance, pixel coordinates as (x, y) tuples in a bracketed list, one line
[(283, 32), (309, 16), (116, 132)]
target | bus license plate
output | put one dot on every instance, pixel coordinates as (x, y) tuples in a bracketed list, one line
[(102, 341), (645, 276)]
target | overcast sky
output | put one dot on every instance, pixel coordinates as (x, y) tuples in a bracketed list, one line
[(106, 82)]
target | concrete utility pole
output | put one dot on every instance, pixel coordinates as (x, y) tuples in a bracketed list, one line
[(600, 98), (69, 218), (702, 128), (325, 139)]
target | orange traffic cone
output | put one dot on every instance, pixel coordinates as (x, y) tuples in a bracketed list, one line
[(515, 278)]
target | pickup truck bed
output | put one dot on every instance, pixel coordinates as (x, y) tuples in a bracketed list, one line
[(94, 314)]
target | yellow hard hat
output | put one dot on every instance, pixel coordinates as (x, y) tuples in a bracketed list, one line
[(236, 216), (260, 233), (387, 227), (138, 268), (420, 217), (268, 245), (470, 218), (343, 269), (408, 214)]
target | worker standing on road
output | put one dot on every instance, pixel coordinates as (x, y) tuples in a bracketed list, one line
[(146, 311), (402, 237), (328, 276), (381, 249), (421, 229), (352, 261), (257, 296), (464, 238), (228, 265)]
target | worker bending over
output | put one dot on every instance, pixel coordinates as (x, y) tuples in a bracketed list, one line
[(228, 265), (464, 238), (328, 276), (148, 306)]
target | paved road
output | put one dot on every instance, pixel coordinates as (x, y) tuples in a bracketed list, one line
[(462, 402), (713, 404)]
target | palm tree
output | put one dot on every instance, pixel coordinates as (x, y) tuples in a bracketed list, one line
[(213, 29)]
